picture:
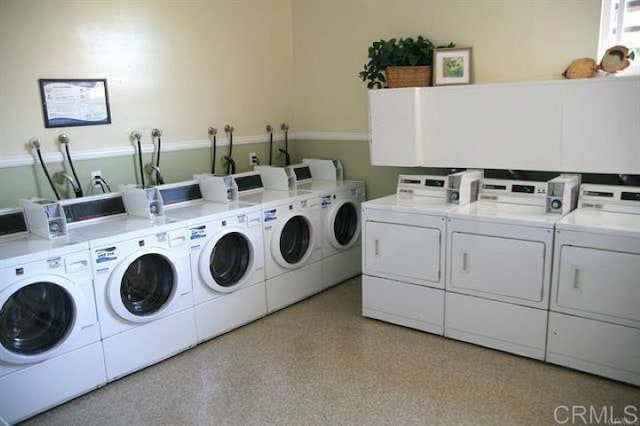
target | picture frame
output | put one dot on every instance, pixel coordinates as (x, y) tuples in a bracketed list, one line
[(452, 66), (74, 102)]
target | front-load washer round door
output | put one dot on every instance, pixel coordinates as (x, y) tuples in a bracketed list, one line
[(344, 224), (293, 241), (226, 261), (143, 285), (36, 318)]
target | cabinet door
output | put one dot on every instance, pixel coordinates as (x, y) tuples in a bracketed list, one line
[(505, 126), (601, 126), (506, 267), (395, 127), (402, 251), (599, 282)]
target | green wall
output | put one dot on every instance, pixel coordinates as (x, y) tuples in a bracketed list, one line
[(29, 181)]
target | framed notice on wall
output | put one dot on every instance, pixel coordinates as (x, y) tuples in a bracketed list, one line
[(69, 102)]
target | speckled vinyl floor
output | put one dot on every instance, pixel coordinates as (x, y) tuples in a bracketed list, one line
[(320, 362)]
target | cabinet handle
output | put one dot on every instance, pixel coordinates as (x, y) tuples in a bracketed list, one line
[(376, 247), (576, 279), (465, 262)]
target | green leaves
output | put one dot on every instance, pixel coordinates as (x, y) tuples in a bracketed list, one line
[(403, 52)]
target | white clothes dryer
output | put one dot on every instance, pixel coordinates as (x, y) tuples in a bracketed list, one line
[(403, 254), (50, 350), (594, 323), (499, 253), (227, 256), (292, 244), (142, 280)]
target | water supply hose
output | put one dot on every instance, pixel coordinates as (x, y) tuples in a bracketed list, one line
[(34, 142), (157, 133), (287, 157), (64, 140), (212, 135), (137, 136), (231, 165), (270, 131)]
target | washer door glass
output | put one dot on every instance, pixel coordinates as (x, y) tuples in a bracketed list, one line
[(294, 239), (36, 318), (345, 224), (230, 259), (147, 284)]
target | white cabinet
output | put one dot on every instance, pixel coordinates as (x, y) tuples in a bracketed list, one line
[(395, 126), (588, 125), (492, 126), (601, 125)]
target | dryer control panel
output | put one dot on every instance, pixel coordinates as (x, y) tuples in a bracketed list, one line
[(611, 198)]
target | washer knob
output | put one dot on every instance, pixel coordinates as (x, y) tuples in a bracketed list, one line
[(455, 196), (556, 204)]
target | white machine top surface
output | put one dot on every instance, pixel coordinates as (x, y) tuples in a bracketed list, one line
[(515, 214), (123, 228), (271, 197), (203, 211), (328, 185), (601, 222), (411, 204), (28, 248)]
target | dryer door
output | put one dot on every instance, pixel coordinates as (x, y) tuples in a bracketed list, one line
[(226, 261), (36, 317), (402, 251), (600, 282), (343, 226), (293, 240), (142, 286), (507, 267)]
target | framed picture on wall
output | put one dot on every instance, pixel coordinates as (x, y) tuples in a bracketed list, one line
[(71, 102), (452, 66)]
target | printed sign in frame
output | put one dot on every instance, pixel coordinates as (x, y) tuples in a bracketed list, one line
[(74, 102)]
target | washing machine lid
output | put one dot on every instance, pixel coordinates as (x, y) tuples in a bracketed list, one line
[(328, 185), (513, 214), (411, 204), (29, 248), (599, 222), (272, 197), (206, 211), (121, 228), (320, 187)]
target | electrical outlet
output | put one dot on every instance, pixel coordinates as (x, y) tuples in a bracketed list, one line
[(253, 159), (96, 176)]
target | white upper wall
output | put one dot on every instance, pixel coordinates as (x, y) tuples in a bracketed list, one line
[(512, 40), (176, 65), (183, 66)]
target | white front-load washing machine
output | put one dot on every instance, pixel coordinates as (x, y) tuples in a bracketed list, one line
[(339, 212), (499, 257), (50, 349), (594, 319), (142, 280), (403, 254), (227, 255), (292, 244), (341, 217)]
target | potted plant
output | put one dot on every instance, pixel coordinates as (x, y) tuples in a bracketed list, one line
[(399, 63)]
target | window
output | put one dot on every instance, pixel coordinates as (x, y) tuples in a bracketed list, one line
[(620, 24)]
